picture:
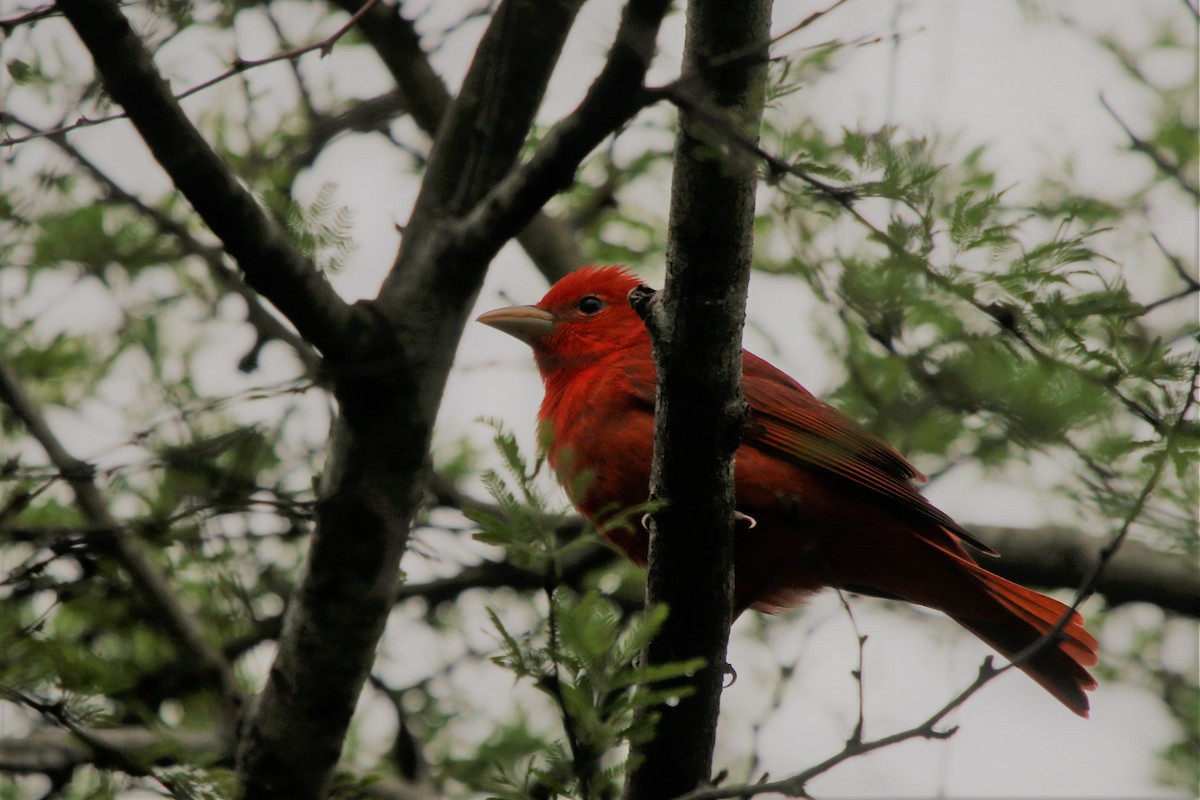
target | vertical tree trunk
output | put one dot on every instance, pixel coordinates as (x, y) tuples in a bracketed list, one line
[(696, 324)]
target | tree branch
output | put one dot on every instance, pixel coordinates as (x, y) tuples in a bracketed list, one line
[(1046, 558), (50, 750), (265, 324), (389, 399), (1060, 558), (695, 325), (272, 265), (120, 546), (547, 240), (613, 99), (1138, 144)]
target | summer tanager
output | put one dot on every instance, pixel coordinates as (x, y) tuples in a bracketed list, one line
[(821, 501)]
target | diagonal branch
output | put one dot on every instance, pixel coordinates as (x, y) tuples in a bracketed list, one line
[(272, 265), (374, 479), (240, 65), (613, 99), (548, 240), (1156, 156), (265, 324), (119, 545)]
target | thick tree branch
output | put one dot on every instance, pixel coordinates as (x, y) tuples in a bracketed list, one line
[(696, 328), (613, 99), (1043, 558), (389, 400), (119, 545), (51, 750), (548, 240), (1060, 558), (272, 265)]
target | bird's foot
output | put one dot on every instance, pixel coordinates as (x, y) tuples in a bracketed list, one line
[(738, 516)]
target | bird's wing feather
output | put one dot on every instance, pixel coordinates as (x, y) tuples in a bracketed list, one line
[(787, 421)]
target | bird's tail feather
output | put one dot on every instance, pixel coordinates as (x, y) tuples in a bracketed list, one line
[(1061, 666)]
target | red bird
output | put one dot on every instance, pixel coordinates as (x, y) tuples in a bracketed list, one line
[(829, 503)]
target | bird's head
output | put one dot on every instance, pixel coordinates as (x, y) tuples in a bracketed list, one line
[(585, 316)]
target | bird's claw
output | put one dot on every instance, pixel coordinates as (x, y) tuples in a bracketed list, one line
[(740, 517), (730, 673)]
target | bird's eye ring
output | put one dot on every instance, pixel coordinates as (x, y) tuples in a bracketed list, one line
[(590, 304)]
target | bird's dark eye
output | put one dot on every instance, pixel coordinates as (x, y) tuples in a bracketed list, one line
[(591, 304)]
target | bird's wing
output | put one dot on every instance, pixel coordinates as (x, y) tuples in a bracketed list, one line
[(788, 422)]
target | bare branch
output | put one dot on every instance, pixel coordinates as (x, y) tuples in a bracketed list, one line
[(1191, 285), (1137, 143), (272, 265), (239, 66), (263, 321), (549, 241), (9, 24), (614, 97)]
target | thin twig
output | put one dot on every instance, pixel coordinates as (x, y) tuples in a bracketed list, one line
[(757, 47), (33, 15), (1191, 285), (1172, 171), (676, 92), (795, 785), (861, 642), (239, 66)]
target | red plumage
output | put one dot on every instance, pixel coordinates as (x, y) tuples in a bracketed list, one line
[(833, 504)]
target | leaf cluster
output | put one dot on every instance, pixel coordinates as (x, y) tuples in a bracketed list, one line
[(583, 655)]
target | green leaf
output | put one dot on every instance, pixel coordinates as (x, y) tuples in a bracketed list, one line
[(20, 71)]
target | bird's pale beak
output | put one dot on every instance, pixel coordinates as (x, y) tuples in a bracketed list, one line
[(527, 323)]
